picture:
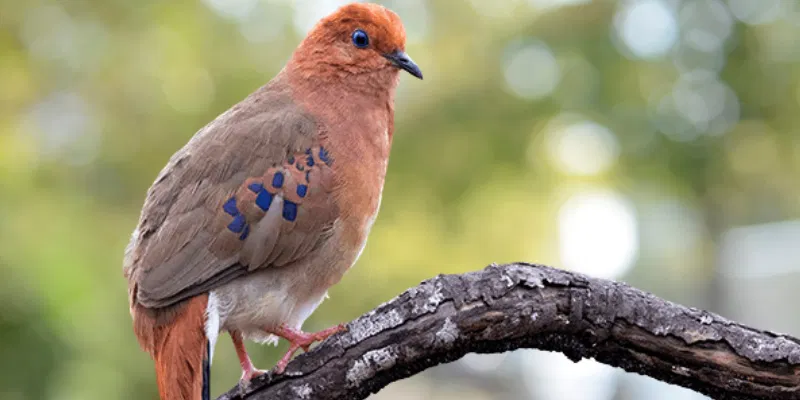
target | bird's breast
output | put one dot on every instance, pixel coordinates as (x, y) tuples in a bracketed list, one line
[(360, 178)]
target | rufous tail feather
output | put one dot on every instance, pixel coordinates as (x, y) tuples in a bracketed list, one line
[(181, 353)]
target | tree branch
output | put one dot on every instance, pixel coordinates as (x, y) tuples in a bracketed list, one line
[(525, 306)]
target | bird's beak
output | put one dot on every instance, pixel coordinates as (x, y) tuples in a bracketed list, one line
[(401, 60)]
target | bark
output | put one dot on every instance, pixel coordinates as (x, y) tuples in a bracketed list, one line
[(516, 306)]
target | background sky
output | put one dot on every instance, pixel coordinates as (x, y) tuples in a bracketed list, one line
[(651, 141)]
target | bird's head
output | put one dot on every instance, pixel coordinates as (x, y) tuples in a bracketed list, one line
[(358, 40)]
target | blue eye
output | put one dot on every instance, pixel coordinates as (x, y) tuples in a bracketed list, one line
[(360, 39)]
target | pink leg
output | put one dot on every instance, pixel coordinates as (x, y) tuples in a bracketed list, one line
[(301, 340), (248, 370)]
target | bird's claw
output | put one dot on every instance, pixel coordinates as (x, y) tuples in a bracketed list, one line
[(301, 340), (248, 375)]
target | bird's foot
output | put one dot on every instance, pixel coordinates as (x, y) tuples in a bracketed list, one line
[(301, 340), (249, 371)]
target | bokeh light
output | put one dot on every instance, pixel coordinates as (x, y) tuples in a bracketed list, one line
[(531, 71), (581, 147), (648, 27), (598, 234), (555, 377)]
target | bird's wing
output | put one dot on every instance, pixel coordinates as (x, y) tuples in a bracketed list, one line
[(251, 189)]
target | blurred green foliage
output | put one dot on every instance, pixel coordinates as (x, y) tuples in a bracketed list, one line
[(96, 95)]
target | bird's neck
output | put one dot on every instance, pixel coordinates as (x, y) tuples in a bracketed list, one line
[(336, 80), (362, 105)]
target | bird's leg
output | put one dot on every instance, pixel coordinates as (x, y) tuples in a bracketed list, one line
[(248, 370), (301, 340)]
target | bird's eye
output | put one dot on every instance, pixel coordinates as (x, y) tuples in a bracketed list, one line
[(360, 39)]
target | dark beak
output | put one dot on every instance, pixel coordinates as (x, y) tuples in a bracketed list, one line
[(401, 60)]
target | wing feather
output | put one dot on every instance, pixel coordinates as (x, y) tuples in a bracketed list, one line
[(250, 190)]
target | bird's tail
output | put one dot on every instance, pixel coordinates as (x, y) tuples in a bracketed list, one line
[(181, 352)]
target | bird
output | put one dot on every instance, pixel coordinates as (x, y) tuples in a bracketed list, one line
[(268, 205)]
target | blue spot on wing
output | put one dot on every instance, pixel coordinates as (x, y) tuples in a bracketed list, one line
[(264, 199), (230, 207), (255, 187), (291, 160), (310, 161), (246, 232), (302, 190), (277, 180), (237, 225), (289, 210), (308, 176), (323, 155)]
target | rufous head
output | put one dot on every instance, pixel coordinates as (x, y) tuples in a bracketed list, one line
[(357, 39)]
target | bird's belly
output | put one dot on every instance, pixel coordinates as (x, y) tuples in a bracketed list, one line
[(262, 301)]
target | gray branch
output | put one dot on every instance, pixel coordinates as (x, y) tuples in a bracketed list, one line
[(525, 306)]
